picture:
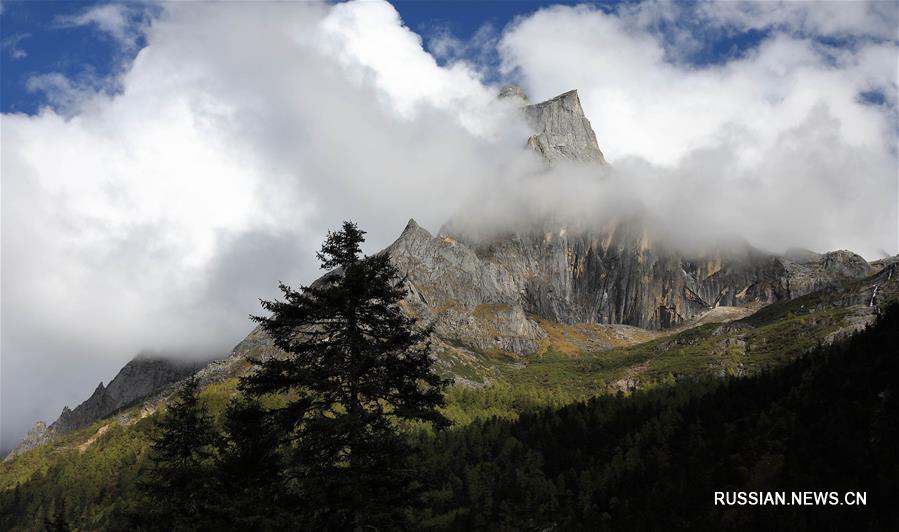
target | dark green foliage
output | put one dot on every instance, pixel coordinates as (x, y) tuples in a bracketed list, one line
[(356, 368), (178, 486), (826, 422), (247, 482), (58, 522), (90, 484)]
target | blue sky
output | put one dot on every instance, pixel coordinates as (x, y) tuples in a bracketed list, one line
[(37, 40), (81, 51)]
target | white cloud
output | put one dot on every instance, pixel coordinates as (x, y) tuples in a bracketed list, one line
[(122, 22), (371, 42), (784, 125), (478, 51), (153, 216), (62, 93), (871, 19), (10, 45), (642, 105)]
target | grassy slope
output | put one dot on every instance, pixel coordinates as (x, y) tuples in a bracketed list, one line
[(711, 349), (772, 336)]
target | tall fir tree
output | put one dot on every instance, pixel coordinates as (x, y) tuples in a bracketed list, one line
[(356, 368), (247, 468), (178, 482), (58, 522)]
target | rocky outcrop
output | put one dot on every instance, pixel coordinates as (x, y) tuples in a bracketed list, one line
[(489, 296), (484, 294), (99, 405), (513, 92), (769, 278), (38, 435), (562, 131), (467, 299), (138, 379)]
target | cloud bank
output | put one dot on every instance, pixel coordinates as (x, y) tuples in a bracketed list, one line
[(777, 145), (155, 217), (152, 217)]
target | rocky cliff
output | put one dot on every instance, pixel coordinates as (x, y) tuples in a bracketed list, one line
[(562, 131), (139, 378), (487, 294)]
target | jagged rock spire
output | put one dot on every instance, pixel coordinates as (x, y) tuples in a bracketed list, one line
[(411, 225), (562, 131)]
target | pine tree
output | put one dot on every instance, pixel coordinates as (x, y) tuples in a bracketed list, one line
[(356, 368), (58, 522), (178, 481), (247, 470)]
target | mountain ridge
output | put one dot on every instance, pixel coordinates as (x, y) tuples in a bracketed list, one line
[(140, 377), (495, 296)]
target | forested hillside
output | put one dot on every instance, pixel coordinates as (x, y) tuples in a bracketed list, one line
[(828, 421)]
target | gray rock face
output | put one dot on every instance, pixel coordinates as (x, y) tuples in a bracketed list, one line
[(38, 435), (561, 131), (139, 378), (770, 278), (483, 294), (468, 300), (513, 92), (97, 406), (486, 296)]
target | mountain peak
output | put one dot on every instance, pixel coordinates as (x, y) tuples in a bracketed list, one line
[(38, 435), (411, 225), (412, 233), (413, 229), (139, 378), (568, 95), (562, 131)]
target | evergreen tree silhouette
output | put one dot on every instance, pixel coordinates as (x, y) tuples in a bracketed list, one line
[(178, 482), (356, 369), (247, 471)]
